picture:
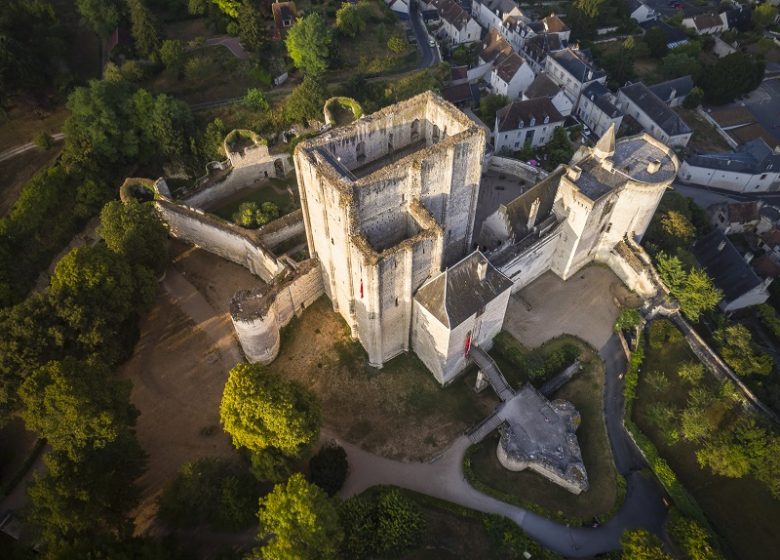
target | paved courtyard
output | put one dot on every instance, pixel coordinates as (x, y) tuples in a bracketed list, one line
[(584, 306)]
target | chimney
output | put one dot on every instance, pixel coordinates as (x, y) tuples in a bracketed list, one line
[(532, 214), (721, 246), (748, 257), (672, 94), (653, 166), (482, 268), (573, 172)]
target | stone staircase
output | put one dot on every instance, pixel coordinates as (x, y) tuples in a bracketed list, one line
[(494, 376)]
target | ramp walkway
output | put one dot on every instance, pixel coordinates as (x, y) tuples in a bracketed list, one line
[(481, 430), (493, 374)]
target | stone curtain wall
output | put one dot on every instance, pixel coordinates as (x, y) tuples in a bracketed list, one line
[(220, 238), (282, 229), (258, 332)]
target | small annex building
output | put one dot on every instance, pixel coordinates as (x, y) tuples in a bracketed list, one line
[(460, 307)]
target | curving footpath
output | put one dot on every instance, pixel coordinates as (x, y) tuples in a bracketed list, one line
[(444, 479)]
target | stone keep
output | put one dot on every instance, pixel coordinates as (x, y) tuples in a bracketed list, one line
[(388, 201)]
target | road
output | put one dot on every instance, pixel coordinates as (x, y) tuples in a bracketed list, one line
[(706, 196), (444, 479), (17, 150), (428, 55)]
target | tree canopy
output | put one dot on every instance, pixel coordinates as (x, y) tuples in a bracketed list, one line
[(75, 406), (641, 545), (306, 101), (349, 20), (102, 15), (739, 352), (144, 28), (299, 521), (262, 410), (731, 76), (693, 290), (308, 44), (134, 231)]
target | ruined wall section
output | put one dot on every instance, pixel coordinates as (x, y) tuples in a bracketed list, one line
[(282, 229), (258, 316), (221, 238)]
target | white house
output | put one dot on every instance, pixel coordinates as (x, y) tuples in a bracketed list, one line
[(653, 115), (543, 86), (597, 109), (753, 167), (707, 24), (535, 49), (493, 13), (505, 70), (456, 24), (573, 70), (530, 122), (730, 272), (641, 12)]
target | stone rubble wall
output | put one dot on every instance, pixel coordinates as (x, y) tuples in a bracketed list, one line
[(282, 229), (516, 465)]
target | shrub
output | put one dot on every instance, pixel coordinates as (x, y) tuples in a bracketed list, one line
[(663, 332), (328, 468), (44, 141), (397, 44), (255, 100), (383, 524), (628, 319)]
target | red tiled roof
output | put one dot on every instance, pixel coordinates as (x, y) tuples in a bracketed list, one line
[(771, 237), (743, 212), (766, 267)]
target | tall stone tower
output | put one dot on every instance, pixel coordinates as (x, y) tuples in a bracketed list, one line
[(388, 201)]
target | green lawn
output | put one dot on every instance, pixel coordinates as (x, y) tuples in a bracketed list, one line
[(398, 411), (741, 510), (529, 489), (275, 190)]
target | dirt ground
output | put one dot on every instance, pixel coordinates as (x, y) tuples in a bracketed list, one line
[(24, 122), (398, 412), (583, 306), (179, 368), (15, 172)]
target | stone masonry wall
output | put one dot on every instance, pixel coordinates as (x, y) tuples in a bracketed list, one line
[(221, 238), (258, 317)]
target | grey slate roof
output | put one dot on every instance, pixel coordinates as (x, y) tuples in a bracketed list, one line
[(725, 265), (666, 119), (578, 64), (600, 95), (457, 293), (680, 87), (753, 157), (519, 114), (518, 210)]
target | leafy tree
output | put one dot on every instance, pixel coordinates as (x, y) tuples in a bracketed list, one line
[(641, 545), (328, 468), (144, 27), (172, 54), (251, 28), (98, 132), (664, 418), (489, 105), (731, 76), (260, 409), (656, 42), (228, 7), (308, 44), (134, 231), (658, 381), (32, 336), (212, 491), (44, 140), (619, 64), (694, 98), (678, 229), (198, 68), (306, 101), (676, 64), (299, 522), (627, 319), (349, 21), (559, 149), (695, 425), (764, 15), (213, 138), (590, 8), (694, 290), (87, 499), (397, 44), (692, 372), (102, 15), (388, 524), (165, 124), (255, 100), (271, 465), (92, 289), (690, 537), (75, 407), (132, 71), (739, 352)]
